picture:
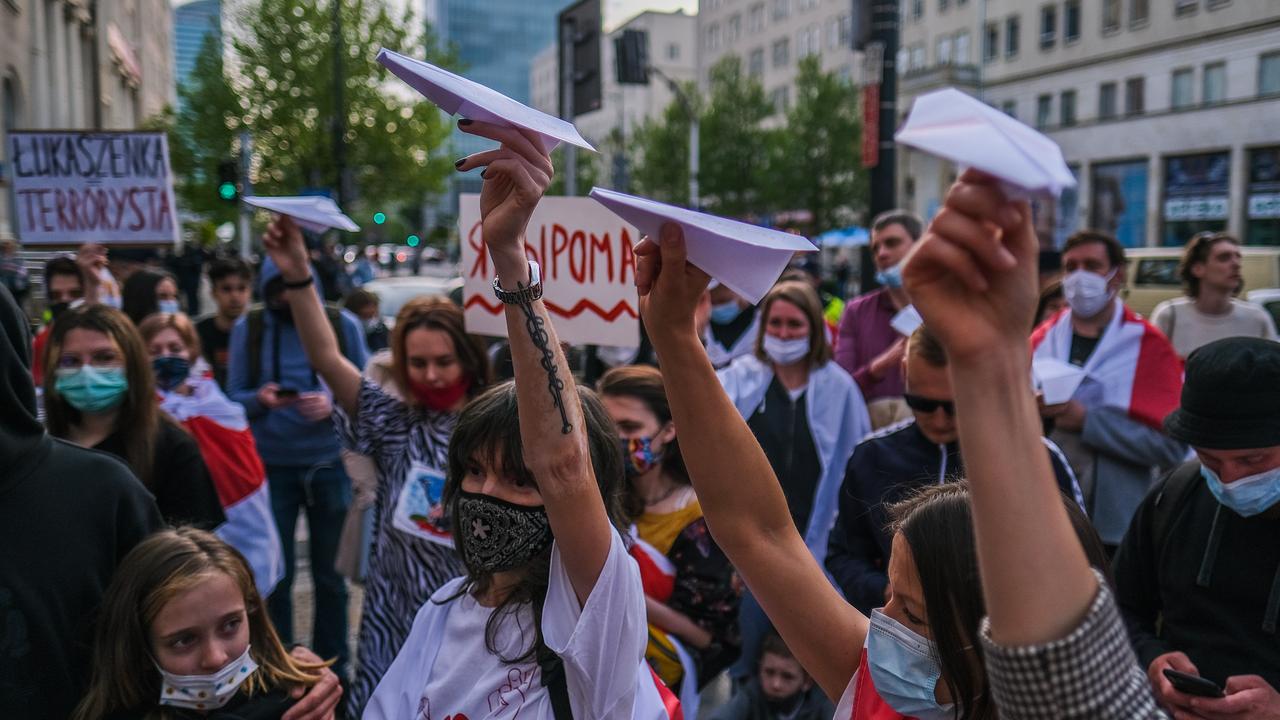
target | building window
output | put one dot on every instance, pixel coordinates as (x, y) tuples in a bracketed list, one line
[(846, 31), (917, 9), (1182, 94), (1269, 74), (1044, 106), (1216, 4), (962, 48), (781, 52), (1214, 87), (943, 50), (1263, 198), (713, 37), (673, 51), (942, 6), (807, 5), (755, 63), (1012, 32), (917, 57), (1119, 201), (1195, 196), (735, 28), (1067, 108), (755, 19), (1010, 108), (1110, 16), (781, 9), (1182, 8), (1048, 26), (1135, 96), (780, 98), (1107, 108), (1071, 21), (1138, 12), (990, 42)]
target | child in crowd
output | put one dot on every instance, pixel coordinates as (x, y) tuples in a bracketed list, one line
[(780, 690), (184, 633)]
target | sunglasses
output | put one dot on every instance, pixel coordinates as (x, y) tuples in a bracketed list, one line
[(928, 405)]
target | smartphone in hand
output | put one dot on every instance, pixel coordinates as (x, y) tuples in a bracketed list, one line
[(1192, 684), (286, 393)]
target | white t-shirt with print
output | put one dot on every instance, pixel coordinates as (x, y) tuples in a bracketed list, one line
[(445, 671)]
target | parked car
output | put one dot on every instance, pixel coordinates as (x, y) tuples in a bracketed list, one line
[(1269, 299), (394, 292), (1153, 274)]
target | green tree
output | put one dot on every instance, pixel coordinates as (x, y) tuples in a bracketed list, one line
[(817, 165), (588, 175), (735, 146), (659, 152)]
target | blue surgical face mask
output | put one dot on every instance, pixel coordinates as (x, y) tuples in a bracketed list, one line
[(91, 389), (890, 277), (904, 669), (725, 312), (1248, 496), (170, 371), (169, 307)]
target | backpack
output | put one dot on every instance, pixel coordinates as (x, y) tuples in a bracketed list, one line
[(1173, 498), (256, 327)]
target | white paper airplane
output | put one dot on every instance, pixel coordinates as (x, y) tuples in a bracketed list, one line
[(745, 258), (1058, 380), (958, 127), (457, 95), (313, 212)]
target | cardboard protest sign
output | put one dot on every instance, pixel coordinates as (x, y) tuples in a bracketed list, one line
[(588, 271), (73, 187)]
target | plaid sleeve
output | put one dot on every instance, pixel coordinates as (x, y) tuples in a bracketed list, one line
[(1091, 673)]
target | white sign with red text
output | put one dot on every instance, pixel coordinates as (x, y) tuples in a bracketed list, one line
[(73, 187), (588, 271)]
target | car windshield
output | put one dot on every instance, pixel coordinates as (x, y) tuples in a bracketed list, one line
[(393, 296)]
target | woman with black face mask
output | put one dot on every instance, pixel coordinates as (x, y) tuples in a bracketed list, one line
[(549, 620)]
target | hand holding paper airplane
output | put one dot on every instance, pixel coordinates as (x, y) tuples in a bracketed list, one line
[(312, 212), (958, 127), (745, 258), (457, 95)]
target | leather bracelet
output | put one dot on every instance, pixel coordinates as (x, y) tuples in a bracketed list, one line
[(300, 284)]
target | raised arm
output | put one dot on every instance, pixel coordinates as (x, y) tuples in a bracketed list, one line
[(973, 279), (551, 423), (283, 240), (743, 502)]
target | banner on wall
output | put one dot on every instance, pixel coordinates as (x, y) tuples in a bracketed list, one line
[(73, 187), (588, 271)]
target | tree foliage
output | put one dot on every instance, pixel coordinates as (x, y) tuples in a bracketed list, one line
[(735, 145)]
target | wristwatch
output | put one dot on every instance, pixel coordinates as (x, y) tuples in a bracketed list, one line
[(527, 294)]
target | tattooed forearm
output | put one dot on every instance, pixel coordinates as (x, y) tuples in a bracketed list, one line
[(541, 340)]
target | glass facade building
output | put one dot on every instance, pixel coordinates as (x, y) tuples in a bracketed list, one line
[(192, 23)]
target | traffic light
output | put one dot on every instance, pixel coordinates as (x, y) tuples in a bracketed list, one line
[(228, 181), (413, 240), (379, 218), (631, 57), (581, 23)]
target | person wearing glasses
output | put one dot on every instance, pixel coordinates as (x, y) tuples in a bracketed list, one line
[(1210, 272), (807, 413), (895, 462)]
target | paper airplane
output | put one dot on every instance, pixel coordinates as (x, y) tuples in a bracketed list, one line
[(313, 212), (960, 128), (745, 258), (1056, 379), (457, 95), (907, 320)]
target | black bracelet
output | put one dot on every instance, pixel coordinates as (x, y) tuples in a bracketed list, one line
[(300, 284)]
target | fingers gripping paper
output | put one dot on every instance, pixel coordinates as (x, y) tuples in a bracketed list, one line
[(960, 128), (312, 212), (457, 95), (745, 258)]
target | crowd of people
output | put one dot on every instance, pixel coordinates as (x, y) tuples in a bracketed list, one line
[(845, 519)]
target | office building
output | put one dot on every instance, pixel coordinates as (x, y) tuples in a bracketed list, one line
[(193, 23)]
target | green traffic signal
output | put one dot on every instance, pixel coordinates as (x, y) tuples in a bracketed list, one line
[(227, 191), (413, 240), (379, 218)]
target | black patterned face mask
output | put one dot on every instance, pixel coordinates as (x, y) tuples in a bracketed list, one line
[(494, 535)]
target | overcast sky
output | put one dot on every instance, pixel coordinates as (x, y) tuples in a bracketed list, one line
[(618, 11)]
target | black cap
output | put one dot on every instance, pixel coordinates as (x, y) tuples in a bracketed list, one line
[(1231, 396)]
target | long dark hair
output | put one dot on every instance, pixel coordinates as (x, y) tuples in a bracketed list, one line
[(937, 523), (644, 382), (138, 296), (489, 427), (138, 421)]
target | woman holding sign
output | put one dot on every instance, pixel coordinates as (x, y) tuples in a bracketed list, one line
[(437, 368)]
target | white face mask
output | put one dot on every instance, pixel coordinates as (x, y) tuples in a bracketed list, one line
[(1088, 293), (206, 692), (785, 352)]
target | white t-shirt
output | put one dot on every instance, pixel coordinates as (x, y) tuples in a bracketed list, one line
[(1188, 328), (445, 671)]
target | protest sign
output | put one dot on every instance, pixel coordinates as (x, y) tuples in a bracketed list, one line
[(588, 271), (73, 187)]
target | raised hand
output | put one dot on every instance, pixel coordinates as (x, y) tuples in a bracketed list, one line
[(671, 289), (515, 177), (973, 275), (283, 242)]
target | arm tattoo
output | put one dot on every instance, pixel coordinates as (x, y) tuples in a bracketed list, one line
[(541, 340)]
